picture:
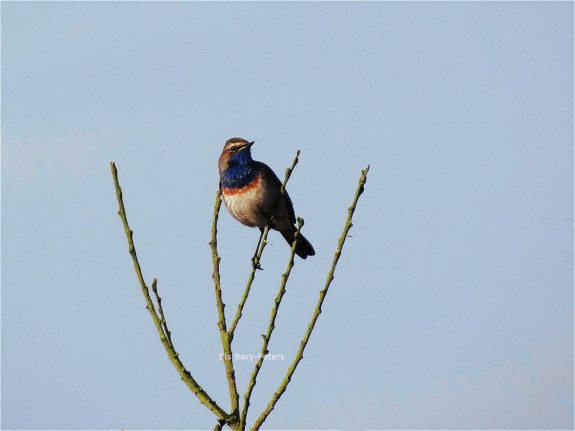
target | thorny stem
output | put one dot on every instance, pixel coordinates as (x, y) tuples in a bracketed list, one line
[(162, 330), (226, 339), (167, 332), (348, 224), (271, 326)]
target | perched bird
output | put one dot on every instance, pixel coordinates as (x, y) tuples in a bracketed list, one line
[(252, 194)]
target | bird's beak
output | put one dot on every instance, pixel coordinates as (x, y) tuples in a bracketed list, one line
[(246, 146)]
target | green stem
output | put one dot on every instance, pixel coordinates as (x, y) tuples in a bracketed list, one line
[(249, 285), (271, 327), (226, 339), (348, 224), (162, 330)]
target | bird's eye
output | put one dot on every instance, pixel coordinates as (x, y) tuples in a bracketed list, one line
[(233, 148)]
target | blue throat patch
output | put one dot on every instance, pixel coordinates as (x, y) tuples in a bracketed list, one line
[(240, 171)]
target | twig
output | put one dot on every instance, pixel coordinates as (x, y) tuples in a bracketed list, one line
[(249, 285), (167, 332), (164, 336), (348, 224), (226, 340), (271, 327)]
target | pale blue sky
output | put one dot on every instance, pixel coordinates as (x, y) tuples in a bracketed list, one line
[(452, 306)]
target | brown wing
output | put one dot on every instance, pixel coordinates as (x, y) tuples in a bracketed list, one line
[(275, 185)]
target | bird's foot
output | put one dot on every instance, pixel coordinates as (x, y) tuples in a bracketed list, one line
[(256, 263)]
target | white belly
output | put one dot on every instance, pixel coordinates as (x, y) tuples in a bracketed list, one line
[(245, 206)]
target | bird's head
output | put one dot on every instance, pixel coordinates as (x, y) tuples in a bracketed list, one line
[(236, 150)]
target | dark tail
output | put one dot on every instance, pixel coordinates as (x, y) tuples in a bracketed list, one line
[(303, 248)]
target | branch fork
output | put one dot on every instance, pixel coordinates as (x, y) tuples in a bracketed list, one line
[(236, 419)]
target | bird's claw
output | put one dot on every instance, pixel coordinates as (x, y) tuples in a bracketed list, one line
[(256, 263)]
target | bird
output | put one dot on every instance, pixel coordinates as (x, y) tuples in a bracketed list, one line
[(251, 192)]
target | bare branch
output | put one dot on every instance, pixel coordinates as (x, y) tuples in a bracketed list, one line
[(276, 396), (226, 340), (271, 327), (167, 332), (162, 330)]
